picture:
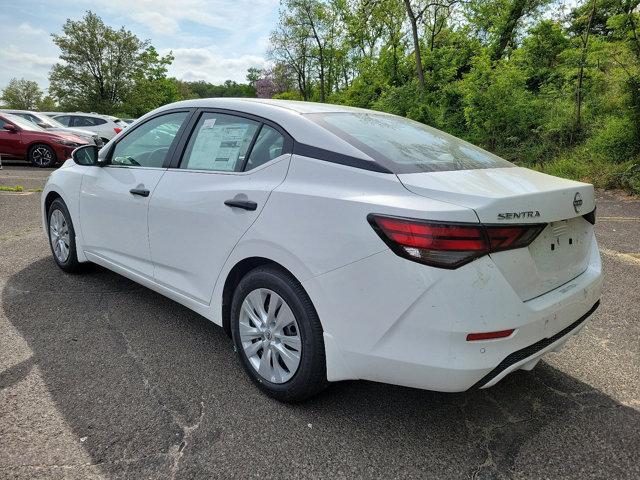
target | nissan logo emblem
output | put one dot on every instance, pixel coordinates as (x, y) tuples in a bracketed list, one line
[(577, 202)]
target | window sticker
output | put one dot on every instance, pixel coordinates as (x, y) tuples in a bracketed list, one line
[(209, 123), (217, 146)]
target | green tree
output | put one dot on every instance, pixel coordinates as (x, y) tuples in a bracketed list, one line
[(253, 75), (21, 94), (100, 65)]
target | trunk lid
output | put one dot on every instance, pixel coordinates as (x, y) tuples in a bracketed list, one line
[(512, 196)]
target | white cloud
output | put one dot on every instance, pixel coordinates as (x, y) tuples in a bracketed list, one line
[(211, 65), (212, 40), (165, 17), (27, 29), (27, 52)]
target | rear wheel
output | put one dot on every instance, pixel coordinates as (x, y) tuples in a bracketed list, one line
[(278, 335), (62, 237), (42, 156)]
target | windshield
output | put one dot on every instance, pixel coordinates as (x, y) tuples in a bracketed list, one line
[(50, 121), (22, 123), (405, 146)]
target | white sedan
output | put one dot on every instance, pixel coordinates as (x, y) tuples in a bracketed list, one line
[(334, 243)]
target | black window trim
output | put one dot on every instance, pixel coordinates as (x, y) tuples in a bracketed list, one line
[(178, 153), (172, 147)]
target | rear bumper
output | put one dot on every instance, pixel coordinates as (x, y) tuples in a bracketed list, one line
[(390, 320), (528, 357)]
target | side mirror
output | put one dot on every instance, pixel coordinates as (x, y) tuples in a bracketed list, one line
[(43, 125), (10, 127), (86, 155)]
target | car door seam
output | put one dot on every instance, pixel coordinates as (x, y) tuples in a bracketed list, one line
[(266, 201), (153, 264)]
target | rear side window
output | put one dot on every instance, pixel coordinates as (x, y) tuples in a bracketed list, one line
[(87, 121), (405, 146), (219, 143), (63, 119), (269, 145)]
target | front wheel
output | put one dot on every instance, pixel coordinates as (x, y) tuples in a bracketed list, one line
[(42, 156), (62, 237), (278, 335)]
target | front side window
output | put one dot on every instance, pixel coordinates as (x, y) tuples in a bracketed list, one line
[(219, 143), (148, 145), (405, 146)]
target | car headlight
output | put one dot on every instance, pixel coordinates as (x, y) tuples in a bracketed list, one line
[(69, 143)]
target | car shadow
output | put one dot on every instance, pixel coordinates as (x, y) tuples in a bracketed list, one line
[(156, 391)]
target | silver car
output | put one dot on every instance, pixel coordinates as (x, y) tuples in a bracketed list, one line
[(53, 126), (104, 125)]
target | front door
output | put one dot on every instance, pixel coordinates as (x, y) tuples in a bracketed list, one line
[(114, 200), (200, 210), (10, 141)]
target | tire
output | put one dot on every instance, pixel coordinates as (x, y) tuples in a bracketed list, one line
[(59, 215), (42, 156), (285, 385)]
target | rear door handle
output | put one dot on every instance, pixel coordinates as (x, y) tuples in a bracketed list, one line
[(143, 192), (244, 204)]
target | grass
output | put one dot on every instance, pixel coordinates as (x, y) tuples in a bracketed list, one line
[(582, 165), (18, 188)]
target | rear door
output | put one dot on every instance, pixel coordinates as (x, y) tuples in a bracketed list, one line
[(202, 207), (114, 200)]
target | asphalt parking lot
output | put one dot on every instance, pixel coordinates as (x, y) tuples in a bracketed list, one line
[(102, 378)]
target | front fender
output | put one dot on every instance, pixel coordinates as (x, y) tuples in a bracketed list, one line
[(65, 182)]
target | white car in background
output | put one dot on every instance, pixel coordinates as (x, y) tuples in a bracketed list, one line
[(104, 125), (53, 126), (335, 243)]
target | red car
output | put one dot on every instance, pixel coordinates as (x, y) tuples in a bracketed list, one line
[(20, 138)]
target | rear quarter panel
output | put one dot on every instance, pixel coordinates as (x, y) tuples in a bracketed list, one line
[(316, 220)]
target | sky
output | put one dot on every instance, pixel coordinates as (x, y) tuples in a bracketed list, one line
[(212, 40)]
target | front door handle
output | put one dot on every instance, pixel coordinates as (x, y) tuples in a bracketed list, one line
[(244, 204), (143, 192)]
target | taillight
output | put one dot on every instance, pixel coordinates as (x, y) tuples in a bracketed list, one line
[(590, 217), (117, 129), (449, 245)]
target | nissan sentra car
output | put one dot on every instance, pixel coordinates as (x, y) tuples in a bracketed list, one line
[(335, 243)]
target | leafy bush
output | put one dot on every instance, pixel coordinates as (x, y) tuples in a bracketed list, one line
[(614, 139)]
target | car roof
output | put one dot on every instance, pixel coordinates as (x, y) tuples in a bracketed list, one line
[(291, 105), (291, 115), (15, 110)]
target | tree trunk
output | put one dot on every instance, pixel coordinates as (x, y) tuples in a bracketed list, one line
[(516, 12), (583, 59), (416, 42)]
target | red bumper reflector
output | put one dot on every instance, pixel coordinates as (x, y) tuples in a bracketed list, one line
[(489, 335), (117, 129)]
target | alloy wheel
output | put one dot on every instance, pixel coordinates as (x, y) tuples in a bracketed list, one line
[(59, 235), (41, 156), (270, 335)]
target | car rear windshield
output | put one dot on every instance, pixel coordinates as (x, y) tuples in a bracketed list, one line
[(406, 146)]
